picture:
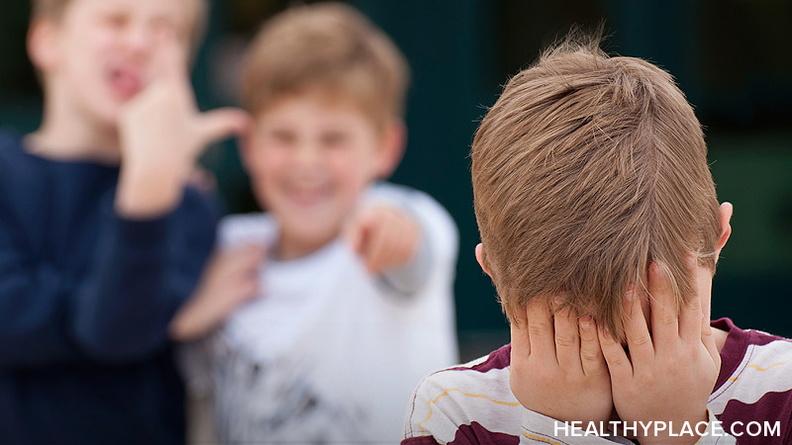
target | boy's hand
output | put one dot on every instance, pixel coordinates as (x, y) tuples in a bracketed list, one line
[(557, 368), (669, 374), (230, 280), (385, 237), (162, 134)]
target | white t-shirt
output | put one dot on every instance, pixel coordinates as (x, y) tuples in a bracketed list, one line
[(329, 353)]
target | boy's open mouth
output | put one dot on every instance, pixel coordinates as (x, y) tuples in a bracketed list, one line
[(307, 196), (125, 83)]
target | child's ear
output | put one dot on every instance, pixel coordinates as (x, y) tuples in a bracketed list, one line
[(726, 209), (42, 44), (481, 260), (394, 137)]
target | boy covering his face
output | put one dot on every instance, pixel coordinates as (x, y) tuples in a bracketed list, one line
[(600, 229)]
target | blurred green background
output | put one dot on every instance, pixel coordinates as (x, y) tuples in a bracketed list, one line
[(731, 57)]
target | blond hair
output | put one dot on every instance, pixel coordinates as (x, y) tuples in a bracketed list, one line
[(327, 47), (586, 169), (54, 10)]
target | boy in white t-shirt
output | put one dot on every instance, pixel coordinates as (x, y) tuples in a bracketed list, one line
[(354, 301)]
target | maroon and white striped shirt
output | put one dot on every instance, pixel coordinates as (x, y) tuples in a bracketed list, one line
[(472, 403)]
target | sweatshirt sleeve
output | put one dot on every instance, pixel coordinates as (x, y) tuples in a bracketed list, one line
[(144, 270), (33, 308), (141, 272)]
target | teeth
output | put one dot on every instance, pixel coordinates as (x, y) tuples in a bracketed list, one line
[(306, 196)]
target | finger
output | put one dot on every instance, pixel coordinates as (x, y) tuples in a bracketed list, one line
[(219, 124), (202, 179), (244, 260), (241, 274), (540, 330), (638, 340), (261, 250), (411, 238), (392, 233), (359, 231), (690, 327), (354, 235), (214, 268), (249, 287), (520, 343), (224, 262), (245, 290), (247, 269), (591, 358), (376, 248), (615, 357), (245, 253), (665, 327), (170, 59), (567, 341)]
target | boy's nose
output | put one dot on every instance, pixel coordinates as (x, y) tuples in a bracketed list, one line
[(139, 39), (308, 154)]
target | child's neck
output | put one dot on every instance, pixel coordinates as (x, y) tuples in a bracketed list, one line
[(720, 338), (65, 135), (290, 247)]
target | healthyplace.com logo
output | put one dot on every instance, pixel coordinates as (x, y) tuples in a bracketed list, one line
[(669, 429)]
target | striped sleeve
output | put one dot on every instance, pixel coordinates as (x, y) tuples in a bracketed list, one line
[(754, 389)]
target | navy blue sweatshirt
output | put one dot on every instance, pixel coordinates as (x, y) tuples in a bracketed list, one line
[(86, 297)]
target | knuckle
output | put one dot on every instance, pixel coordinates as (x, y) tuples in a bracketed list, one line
[(566, 341), (588, 338), (693, 302), (589, 355), (617, 362), (668, 319), (538, 329), (641, 340)]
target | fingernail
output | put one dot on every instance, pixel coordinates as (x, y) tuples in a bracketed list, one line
[(558, 301), (585, 321), (654, 268)]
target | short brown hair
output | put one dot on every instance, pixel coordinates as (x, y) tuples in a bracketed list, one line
[(330, 47), (48, 8), (54, 10), (586, 169)]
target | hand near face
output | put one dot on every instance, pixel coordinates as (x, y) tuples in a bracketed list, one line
[(557, 367), (385, 237), (670, 373), (163, 133)]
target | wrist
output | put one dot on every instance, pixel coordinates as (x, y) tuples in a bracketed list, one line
[(146, 191), (667, 440), (196, 319), (684, 433)]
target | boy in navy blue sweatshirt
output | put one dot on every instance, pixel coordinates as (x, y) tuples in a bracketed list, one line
[(101, 239)]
